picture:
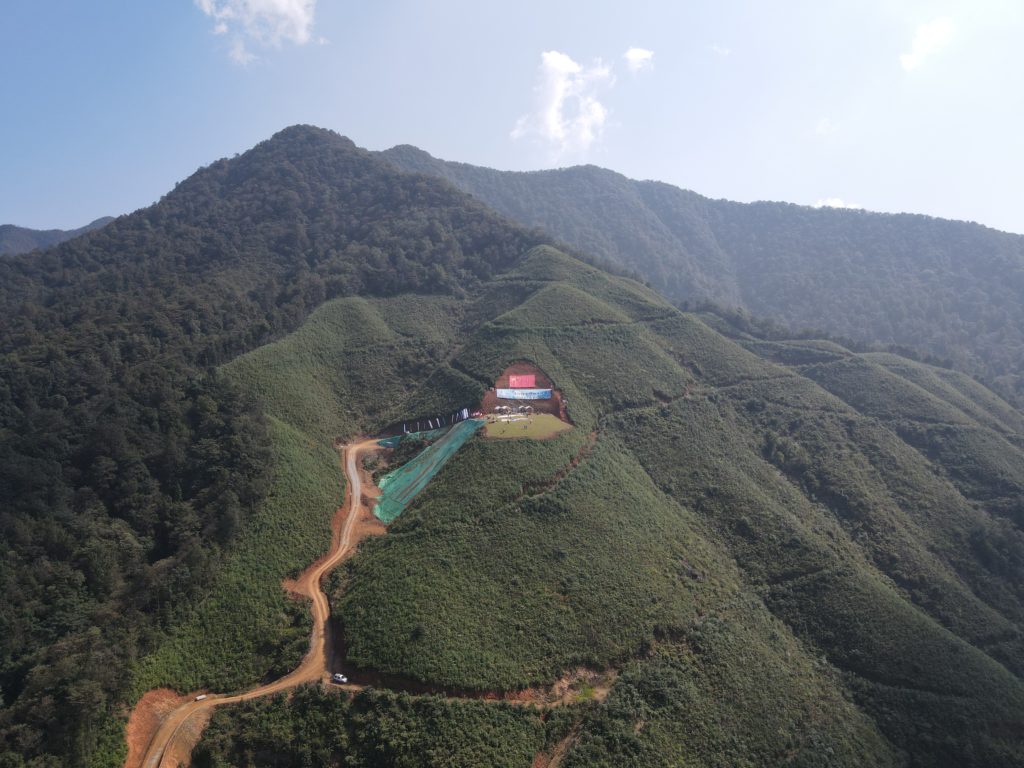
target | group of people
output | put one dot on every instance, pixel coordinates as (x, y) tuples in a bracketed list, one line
[(508, 413)]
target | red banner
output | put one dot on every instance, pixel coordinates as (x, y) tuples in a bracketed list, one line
[(526, 380)]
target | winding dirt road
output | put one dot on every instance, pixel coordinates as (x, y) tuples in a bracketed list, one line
[(180, 729), (173, 741)]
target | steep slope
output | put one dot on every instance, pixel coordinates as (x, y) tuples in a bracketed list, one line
[(15, 240), (779, 573), (352, 365), (127, 466), (949, 288)]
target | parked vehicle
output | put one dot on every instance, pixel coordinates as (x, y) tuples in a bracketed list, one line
[(337, 677), (200, 697)]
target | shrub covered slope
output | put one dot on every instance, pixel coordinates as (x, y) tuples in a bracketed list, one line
[(767, 539)]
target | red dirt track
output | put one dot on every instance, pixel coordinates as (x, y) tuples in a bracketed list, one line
[(165, 726), (178, 731)]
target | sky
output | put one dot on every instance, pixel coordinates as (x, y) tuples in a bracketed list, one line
[(887, 105)]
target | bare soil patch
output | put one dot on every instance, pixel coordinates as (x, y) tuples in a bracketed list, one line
[(556, 406), (558, 753), (576, 685), (179, 751), (152, 709)]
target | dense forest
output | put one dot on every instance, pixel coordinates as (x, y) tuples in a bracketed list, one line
[(126, 464), (952, 289), (15, 240)]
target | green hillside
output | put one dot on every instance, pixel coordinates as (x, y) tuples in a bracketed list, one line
[(344, 371), (133, 476), (948, 288), (775, 550), (778, 572)]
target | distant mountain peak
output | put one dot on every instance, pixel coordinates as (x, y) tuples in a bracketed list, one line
[(302, 132), (15, 240)]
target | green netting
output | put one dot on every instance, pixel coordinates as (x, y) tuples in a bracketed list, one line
[(398, 488)]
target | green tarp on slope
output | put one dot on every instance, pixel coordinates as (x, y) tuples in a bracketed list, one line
[(398, 488)]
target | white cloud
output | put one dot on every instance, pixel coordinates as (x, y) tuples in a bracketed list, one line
[(638, 59), (720, 50), (825, 127), (239, 53), (835, 202), (569, 116), (928, 39), (260, 22)]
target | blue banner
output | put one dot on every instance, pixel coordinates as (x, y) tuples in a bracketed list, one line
[(524, 394)]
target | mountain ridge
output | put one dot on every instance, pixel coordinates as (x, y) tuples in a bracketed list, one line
[(819, 547), (15, 240), (127, 465), (950, 288)]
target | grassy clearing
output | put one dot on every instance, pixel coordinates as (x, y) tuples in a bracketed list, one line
[(541, 426)]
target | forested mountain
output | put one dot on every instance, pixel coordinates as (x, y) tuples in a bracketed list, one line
[(15, 240), (771, 550), (126, 464), (953, 289)]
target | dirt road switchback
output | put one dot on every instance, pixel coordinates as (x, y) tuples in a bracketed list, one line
[(172, 743)]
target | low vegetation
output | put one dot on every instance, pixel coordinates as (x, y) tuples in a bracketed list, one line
[(540, 426), (718, 479), (316, 727)]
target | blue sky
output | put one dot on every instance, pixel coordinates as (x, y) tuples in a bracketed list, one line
[(892, 106)]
